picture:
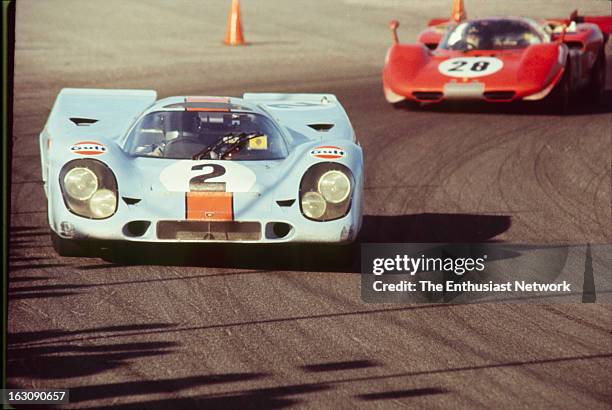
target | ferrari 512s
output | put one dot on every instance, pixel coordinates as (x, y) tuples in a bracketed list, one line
[(499, 59)]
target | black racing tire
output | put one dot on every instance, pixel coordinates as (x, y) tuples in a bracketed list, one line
[(597, 83), (67, 247), (559, 101)]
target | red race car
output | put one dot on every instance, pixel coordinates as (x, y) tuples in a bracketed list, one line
[(500, 59)]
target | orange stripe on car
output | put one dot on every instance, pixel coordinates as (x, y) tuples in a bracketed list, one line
[(209, 206)]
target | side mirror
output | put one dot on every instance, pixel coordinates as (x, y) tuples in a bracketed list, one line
[(393, 25)]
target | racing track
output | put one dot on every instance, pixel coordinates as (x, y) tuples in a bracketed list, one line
[(202, 328)]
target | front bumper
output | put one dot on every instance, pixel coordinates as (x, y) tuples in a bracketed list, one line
[(163, 219), (456, 90)]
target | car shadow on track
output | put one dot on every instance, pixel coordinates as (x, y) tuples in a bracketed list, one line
[(418, 228), (47, 355), (580, 106)]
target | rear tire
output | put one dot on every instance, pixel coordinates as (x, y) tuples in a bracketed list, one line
[(67, 247)]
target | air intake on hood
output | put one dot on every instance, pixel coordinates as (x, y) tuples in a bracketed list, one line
[(82, 122), (321, 127)]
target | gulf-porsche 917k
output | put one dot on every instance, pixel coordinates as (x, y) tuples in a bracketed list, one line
[(499, 59), (266, 168)]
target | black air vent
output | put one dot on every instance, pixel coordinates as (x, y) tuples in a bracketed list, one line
[(427, 95), (83, 122), (136, 228), (130, 201), (285, 202), (321, 127), (499, 95)]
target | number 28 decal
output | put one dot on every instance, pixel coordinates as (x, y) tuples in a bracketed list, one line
[(470, 67)]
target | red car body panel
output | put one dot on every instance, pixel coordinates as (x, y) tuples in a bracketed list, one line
[(414, 71)]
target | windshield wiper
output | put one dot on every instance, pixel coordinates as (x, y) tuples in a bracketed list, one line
[(211, 148), (242, 138), (233, 141)]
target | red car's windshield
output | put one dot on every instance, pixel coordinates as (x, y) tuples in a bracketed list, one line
[(494, 34)]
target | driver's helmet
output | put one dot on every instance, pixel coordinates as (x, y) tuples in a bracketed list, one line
[(480, 36), (472, 36), (172, 126), (153, 122)]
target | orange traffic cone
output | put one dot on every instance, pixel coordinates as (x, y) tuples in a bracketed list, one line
[(234, 26), (458, 12)]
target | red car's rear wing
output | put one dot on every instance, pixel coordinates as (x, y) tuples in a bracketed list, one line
[(603, 22)]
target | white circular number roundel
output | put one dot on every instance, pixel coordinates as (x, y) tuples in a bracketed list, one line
[(470, 67), (237, 178)]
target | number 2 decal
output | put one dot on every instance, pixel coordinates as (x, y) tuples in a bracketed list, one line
[(190, 176), (470, 67), (198, 183)]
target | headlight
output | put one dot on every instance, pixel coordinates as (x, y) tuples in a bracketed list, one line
[(313, 205), (325, 191), (334, 186), (81, 183), (102, 203), (89, 188)]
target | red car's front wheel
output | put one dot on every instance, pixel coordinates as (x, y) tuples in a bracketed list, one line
[(597, 83)]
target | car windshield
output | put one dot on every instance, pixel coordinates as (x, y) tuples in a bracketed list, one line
[(491, 35), (206, 135)]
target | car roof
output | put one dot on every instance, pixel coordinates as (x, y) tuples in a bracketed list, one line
[(205, 103), (526, 20)]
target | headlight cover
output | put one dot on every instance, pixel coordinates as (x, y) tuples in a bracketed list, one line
[(335, 186), (103, 203), (313, 205), (89, 188), (326, 191), (80, 183)]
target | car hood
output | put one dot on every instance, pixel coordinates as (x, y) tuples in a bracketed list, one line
[(170, 175)]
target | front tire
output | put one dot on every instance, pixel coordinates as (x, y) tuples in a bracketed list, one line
[(559, 98), (67, 247), (597, 82)]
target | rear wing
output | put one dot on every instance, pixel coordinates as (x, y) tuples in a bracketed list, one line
[(312, 115), (96, 111), (604, 23)]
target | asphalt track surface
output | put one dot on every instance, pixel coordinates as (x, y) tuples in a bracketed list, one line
[(197, 327)]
